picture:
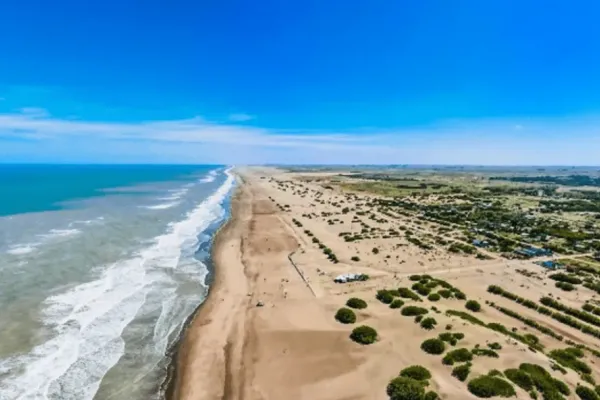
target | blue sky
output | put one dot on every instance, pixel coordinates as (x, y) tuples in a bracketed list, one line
[(445, 82)]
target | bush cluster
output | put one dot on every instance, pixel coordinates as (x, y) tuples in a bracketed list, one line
[(433, 297), (562, 277), (411, 384), (364, 335), (461, 372), (406, 293), (397, 303), (345, 316), (570, 358), (529, 322), (586, 393), (445, 293), (433, 346), (428, 323), (485, 352), (473, 305), (490, 386), (356, 303), (567, 287), (549, 302), (495, 346), (410, 311), (549, 387), (456, 356), (519, 378), (384, 296)]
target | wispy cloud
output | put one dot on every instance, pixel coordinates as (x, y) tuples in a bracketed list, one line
[(33, 131), (240, 117)]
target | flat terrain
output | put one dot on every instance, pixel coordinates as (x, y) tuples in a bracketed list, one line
[(268, 330)]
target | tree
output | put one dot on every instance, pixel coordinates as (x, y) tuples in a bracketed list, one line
[(345, 316), (473, 305), (364, 335), (402, 388)]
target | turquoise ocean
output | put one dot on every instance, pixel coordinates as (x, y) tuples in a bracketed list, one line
[(100, 266)]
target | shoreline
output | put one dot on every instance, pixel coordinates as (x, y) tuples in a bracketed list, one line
[(171, 387)]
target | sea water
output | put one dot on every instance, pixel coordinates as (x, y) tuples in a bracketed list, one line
[(100, 266)]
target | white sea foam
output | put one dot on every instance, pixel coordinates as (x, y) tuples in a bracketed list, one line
[(22, 249), (60, 233), (210, 177), (162, 206), (89, 319)]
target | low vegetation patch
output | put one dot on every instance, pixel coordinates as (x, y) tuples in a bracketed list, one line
[(406, 293), (356, 303), (384, 296), (519, 378), (416, 372), (364, 335), (402, 388), (456, 356), (495, 346), (586, 393), (461, 372), (473, 305), (410, 311), (433, 346), (485, 352), (490, 386), (345, 316), (433, 297), (397, 303), (428, 323), (570, 358)]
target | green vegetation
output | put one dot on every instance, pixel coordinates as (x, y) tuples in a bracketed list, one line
[(345, 316), (473, 305), (384, 296), (433, 297), (402, 388), (461, 372), (562, 277), (397, 303), (495, 346), (356, 303), (410, 311), (519, 378), (485, 352), (433, 346), (549, 387), (364, 335), (428, 323), (570, 358), (457, 356), (451, 338), (416, 372), (406, 293), (490, 386), (586, 393)]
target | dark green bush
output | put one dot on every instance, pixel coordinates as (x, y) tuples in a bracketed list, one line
[(410, 311), (519, 378), (384, 296), (458, 355), (445, 293), (364, 335), (461, 372), (431, 395), (433, 346), (485, 352), (416, 372), (415, 277), (402, 388), (428, 323), (433, 297), (460, 295), (408, 294), (473, 305), (586, 393), (345, 316), (355, 258), (569, 358), (356, 303), (489, 386), (567, 287), (495, 346), (418, 319), (397, 303), (495, 372)]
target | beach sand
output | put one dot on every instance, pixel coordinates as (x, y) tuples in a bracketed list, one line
[(267, 330)]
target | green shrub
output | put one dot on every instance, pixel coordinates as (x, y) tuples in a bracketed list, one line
[(433, 346), (345, 316), (410, 311), (567, 287), (431, 395), (415, 277), (485, 352), (445, 293), (460, 295), (495, 372), (433, 297), (418, 319), (461, 372), (384, 296), (543, 381), (458, 355), (519, 378), (561, 387), (408, 294), (364, 335), (356, 303), (588, 378), (402, 388), (489, 386), (586, 393), (355, 258), (458, 336), (473, 305), (416, 372), (569, 358), (397, 303), (495, 346), (428, 323)]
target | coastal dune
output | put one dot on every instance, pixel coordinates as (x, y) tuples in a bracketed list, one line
[(262, 333)]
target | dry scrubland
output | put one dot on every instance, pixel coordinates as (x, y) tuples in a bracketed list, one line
[(449, 325)]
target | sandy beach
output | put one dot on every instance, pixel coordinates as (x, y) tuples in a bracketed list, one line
[(267, 329)]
